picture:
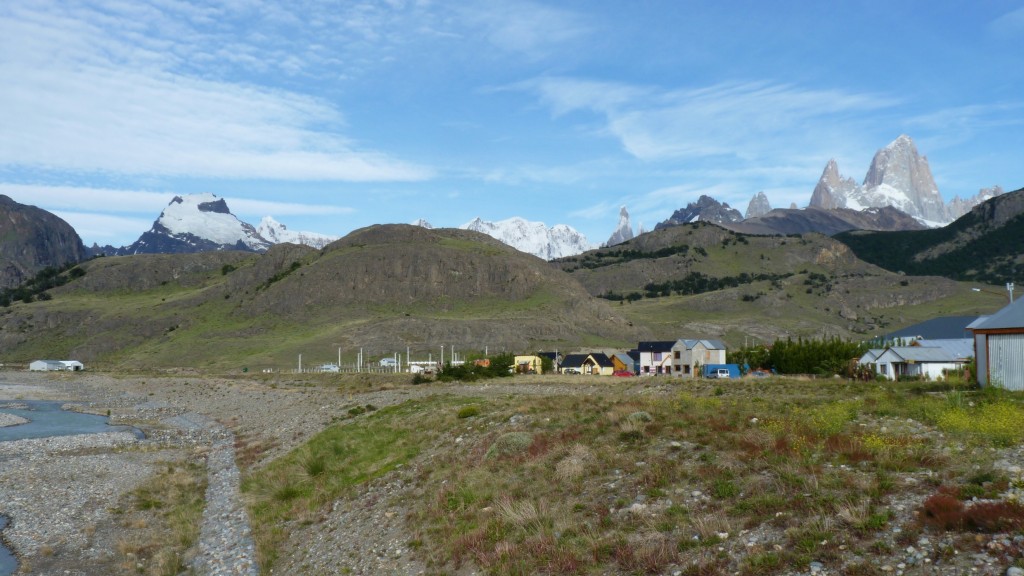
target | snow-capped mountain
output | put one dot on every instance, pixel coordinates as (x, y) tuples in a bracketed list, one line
[(706, 209), (759, 206), (624, 231), (533, 237), (197, 223), (898, 177), (277, 233), (423, 224), (957, 207)]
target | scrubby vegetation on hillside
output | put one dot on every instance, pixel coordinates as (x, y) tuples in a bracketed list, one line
[(744, 477)]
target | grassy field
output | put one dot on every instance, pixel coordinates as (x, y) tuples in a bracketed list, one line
[(655, 476)]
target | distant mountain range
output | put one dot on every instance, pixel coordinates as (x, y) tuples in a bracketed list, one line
[(898, 193), (534, 238)]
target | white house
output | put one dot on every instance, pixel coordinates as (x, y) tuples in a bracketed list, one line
[(928, 359), (655, 357), (56, 365), (999, 347), (688, 355)]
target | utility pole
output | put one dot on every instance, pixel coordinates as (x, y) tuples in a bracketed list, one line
[(1009, 288)]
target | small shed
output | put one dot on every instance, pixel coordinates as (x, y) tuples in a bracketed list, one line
[(45, 366), (999, 347), (56, 366)]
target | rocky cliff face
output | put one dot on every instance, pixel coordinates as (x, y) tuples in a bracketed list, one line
[(900, 174), (624, 231), (957, 207), (33, 239), (759, 206), (832, 189), (898, 177), (705, 209)]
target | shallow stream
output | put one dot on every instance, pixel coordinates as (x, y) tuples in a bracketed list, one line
[(45, 419)]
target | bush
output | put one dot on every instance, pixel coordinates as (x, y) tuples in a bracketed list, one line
[(468, 411), (510, 444)]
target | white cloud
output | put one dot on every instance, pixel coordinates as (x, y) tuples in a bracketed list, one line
[(745, 120), (83, 101), (1009, 25), (105, 229), (74, 198), (526, 28)]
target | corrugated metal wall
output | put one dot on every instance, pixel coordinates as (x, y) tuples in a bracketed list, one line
[(1006, 356), (982, 359)]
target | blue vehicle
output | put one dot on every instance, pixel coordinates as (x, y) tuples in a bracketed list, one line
[(720, 371)]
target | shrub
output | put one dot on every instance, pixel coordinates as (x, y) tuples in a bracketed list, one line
[(468, 411), (510, 444), (944, 512)]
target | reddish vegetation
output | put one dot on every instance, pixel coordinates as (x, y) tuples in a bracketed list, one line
[(944, 511)]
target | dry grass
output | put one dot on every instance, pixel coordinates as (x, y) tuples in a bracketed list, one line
[(664, 482)]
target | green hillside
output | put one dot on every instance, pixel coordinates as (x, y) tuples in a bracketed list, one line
[(984, 245)]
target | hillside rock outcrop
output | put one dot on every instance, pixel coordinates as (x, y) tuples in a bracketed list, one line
[(34, 239)]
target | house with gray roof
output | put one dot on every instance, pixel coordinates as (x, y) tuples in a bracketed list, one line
[(688, 355), (929, 362), (999, 347)]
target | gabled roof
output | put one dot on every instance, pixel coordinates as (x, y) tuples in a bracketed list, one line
[(943, 327), (957, 347), (625, 358), (708, 344), (574, 360), (918, 354), (871, 355), (1011, 316), (602, 360), (656, 346)]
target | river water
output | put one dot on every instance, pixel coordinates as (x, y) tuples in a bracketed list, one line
[(45, 419)]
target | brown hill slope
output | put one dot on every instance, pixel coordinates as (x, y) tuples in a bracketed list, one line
[(382, 289), (701, 280)]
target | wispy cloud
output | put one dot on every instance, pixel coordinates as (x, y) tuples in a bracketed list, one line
[(1009, 25), (529, 29), (745, 120), (81, 100)]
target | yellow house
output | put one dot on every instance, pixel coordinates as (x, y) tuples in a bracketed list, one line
[(528, 365)]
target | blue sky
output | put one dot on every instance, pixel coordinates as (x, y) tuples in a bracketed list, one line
[(330, 116)]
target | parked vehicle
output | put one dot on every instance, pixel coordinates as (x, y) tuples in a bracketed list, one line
[(388, 362), (328, 368), (623, 373), (719, 373), (571, 371)]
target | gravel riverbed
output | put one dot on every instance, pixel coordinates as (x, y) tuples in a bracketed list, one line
[(62, 495)]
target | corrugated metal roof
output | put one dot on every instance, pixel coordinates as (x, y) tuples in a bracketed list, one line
[(958, 347), (1012, 316), (709, 344), (921, 354), (944, 327)]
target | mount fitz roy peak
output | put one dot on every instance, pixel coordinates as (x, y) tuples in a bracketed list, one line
[(898, 177), (531, 237)]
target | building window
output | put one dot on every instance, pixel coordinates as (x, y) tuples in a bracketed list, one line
[(686, 369), (677, 354)]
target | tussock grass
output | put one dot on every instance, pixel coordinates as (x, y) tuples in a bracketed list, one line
[(164, 522), (659, 483)]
